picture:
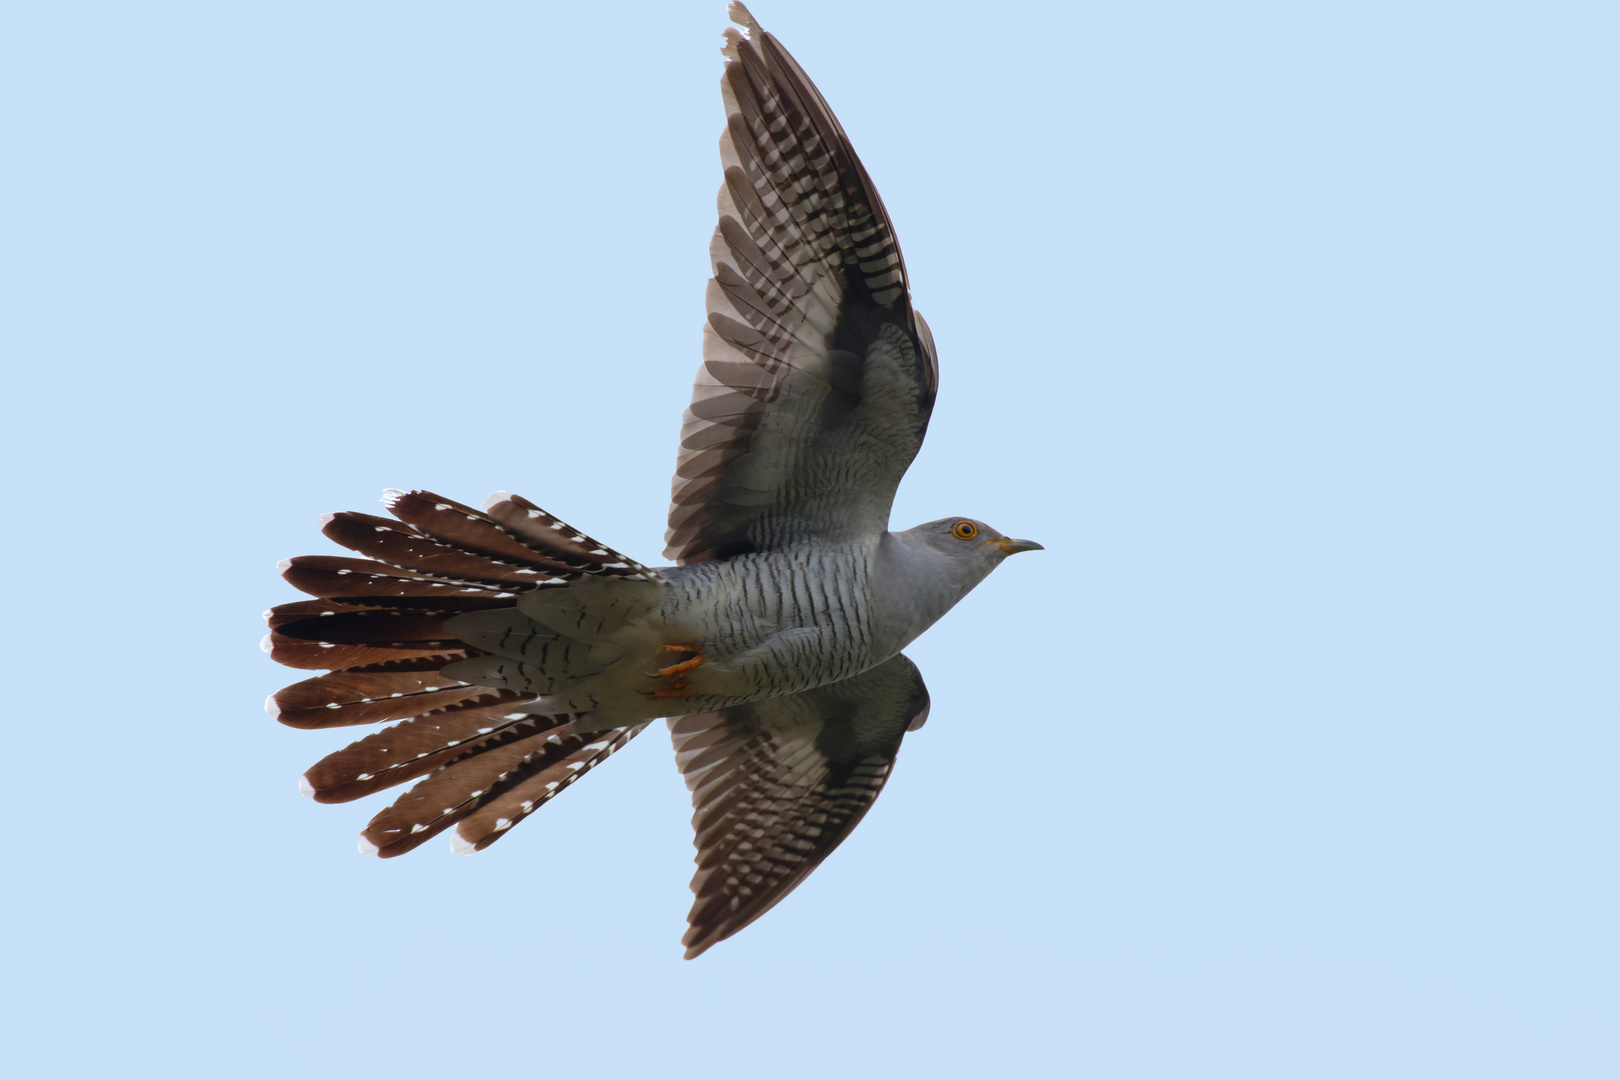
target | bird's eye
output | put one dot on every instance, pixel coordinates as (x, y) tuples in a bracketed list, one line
[(964, 530)]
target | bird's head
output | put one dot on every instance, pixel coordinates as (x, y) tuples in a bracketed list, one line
[(970, 548)]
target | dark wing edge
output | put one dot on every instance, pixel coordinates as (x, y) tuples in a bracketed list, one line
[(809, 297), (778, 784)]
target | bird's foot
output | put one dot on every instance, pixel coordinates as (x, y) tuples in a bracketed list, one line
[(679, 689), (677, 686), (685, 665)]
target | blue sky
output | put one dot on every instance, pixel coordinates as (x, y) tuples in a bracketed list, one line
[(1288, 329)]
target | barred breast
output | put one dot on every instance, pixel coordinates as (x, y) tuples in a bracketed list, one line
[(779, 622)]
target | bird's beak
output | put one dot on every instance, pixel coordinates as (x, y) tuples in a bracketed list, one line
[(1013, 547)]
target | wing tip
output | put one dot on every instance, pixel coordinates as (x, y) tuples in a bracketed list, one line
[(738, 13), (460, 845), (732, 37), (699, 940), (369, 849)]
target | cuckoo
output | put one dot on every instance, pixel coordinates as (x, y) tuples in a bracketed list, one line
[(511, 653)]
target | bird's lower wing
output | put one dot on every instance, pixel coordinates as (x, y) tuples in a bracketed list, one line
[(778, 784)]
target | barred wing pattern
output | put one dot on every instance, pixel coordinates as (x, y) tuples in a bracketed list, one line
[(778, 784), (818, 377)]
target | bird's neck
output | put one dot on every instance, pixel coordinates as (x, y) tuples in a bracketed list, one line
[(912, 588)]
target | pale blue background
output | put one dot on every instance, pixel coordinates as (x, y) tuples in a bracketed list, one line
[(1290, 329)]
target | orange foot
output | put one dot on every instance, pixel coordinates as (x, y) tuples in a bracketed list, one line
[(683, 666), (678, 686), (680, 689)]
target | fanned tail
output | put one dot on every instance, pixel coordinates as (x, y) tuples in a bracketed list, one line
[(484, 756)]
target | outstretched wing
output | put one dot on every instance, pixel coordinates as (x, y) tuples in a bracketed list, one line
[(817, 377), (778, 784)]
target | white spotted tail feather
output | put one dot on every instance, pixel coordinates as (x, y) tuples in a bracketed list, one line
[(483, 757), (492, 791)]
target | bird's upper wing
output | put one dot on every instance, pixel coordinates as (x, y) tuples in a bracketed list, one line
[(817, 377), (778, 784)]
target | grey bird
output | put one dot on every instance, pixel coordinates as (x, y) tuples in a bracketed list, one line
[(512, 653)]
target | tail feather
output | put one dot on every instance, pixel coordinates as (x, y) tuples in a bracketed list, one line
[(330, 656), (543, 532), (390, 542), (381, 627), (340, 577), (467, 529), (457, 790), (563, 761), (345, 698), (352, 624), (414, 747)]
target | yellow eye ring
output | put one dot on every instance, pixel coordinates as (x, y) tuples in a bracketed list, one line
[(964, 530)]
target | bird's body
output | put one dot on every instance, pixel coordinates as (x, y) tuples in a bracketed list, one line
[(517, 653), (766, 624)]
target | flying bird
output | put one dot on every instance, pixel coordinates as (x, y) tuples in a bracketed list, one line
[(512, 653)]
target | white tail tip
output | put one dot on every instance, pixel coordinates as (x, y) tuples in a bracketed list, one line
[(460, 846), (305, 788), (283, 566), (367, 848), (271, 709), (264, 644), (499, 496)]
